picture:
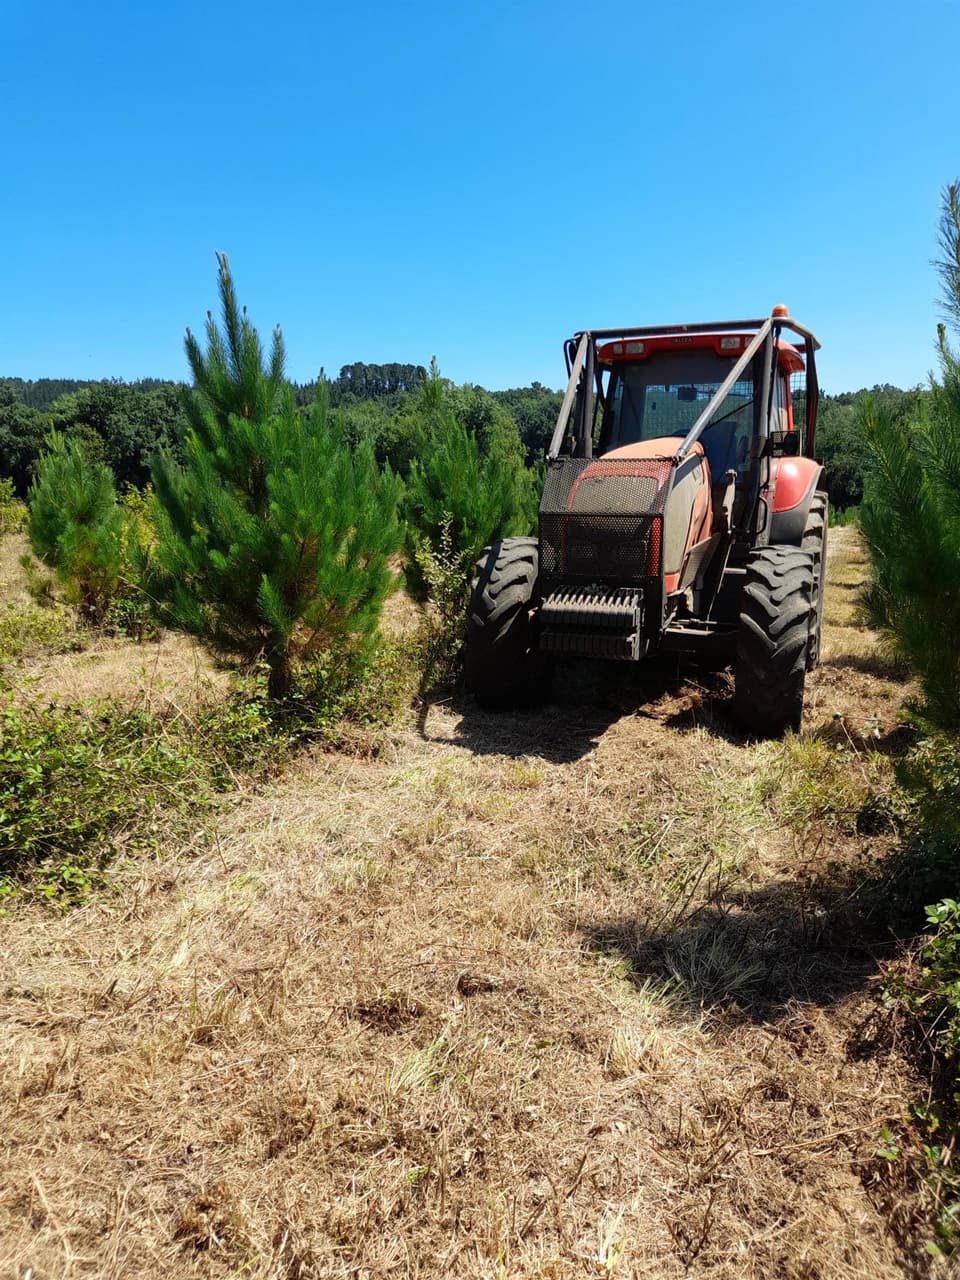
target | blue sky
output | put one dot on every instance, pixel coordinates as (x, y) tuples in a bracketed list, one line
[(475, 181)]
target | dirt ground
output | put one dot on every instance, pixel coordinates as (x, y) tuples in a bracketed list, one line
[(554, 995)]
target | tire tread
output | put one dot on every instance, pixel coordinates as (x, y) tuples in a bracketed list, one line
[(775, 623)]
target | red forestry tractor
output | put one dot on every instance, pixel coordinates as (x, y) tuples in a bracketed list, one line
[(682, 510)]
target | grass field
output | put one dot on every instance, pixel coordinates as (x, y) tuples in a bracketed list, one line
[(562, 994)]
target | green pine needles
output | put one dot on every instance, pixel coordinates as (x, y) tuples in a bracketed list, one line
[(76, 526), (459, 495), (274, 536), (910, 516)]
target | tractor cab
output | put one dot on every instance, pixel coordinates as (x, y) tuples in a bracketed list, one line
[(660, 387), (655, 389)]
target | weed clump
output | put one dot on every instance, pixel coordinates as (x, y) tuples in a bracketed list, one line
[(74, 781), (926, 988), (13, 513), (32, 628), (814, 783)]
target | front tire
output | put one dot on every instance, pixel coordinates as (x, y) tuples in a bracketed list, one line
[(502, 666), (815, 541), (776, 622)]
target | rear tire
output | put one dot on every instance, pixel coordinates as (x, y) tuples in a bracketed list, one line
[(815, 541), (501, 663), (776, 621)]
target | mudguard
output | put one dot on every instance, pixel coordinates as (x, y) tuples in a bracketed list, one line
[(793, 483)]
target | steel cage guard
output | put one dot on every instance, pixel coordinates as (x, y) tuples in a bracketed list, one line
[(581, 360)]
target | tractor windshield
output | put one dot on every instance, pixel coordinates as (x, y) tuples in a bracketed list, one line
[(666, 393)]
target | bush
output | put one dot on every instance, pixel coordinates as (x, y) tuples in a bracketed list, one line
[(78, 782), (13, 513), (75, 525), (910, 518), (442, 571), (924, 868), (932, 992), (74, 780), (458, 491), (927, 987), (131, 610), (30, 628), (274, 538), (840, 518), (366, 688)]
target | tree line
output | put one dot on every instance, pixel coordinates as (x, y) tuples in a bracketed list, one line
[(126, 423)]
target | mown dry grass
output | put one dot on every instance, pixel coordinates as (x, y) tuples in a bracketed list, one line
[(51, 656), (553, 995), (168, 675), (13, 582)]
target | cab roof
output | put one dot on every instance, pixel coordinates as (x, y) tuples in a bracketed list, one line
[(729, 345)]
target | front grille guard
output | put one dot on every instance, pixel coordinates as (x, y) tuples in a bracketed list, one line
[(601, 522)]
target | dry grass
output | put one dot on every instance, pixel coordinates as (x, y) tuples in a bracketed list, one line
[(549, 995), (855, 678), (13, 582), (169, 674), (172, 673)]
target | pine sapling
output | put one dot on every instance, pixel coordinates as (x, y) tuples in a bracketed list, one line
[(274, 537)]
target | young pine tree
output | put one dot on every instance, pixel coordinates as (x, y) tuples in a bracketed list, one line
[(911, 510), (458, 494), (75, 524), (273, 538)]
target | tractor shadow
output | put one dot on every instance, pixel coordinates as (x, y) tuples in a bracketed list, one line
[(588, 697), (752, 957)]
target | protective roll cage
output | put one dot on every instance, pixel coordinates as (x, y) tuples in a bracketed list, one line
[(585, 390)]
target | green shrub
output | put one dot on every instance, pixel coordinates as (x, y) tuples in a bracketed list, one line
[(274, 538), (932, 991), (31, 628), (458, 490), (910, 516), (840, 518), (131, 611), (442, 570), (924, 868), (240, 735), (368, 686), (75, 525), (79, 782), (76, 782), (927, 987), (13, 512), (73, 780)]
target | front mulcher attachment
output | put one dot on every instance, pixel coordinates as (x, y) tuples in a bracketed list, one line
[(592, 623)]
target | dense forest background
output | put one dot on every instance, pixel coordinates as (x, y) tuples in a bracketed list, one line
[(125, 423)]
